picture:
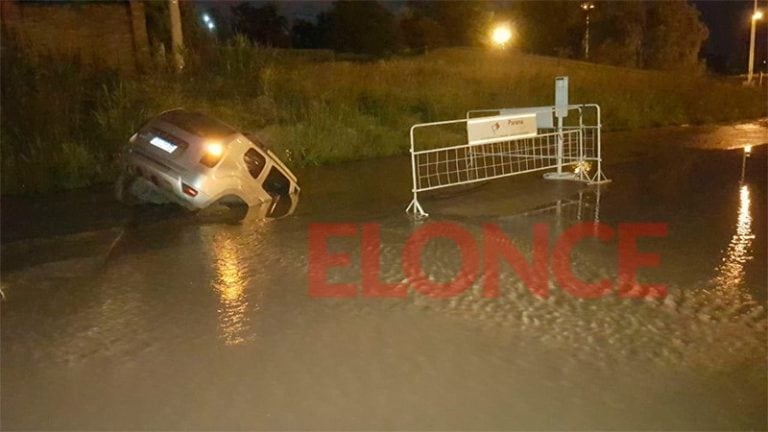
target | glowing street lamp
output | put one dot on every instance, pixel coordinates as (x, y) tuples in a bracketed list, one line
[(208, 22), (501, 35), (757, 15)]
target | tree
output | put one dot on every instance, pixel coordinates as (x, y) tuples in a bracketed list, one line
[(158, 26), (673, 37), (196, 38), (177, 35), (360, 27), (461, 23), (325, 30), (305, 34), (420, 33), (617, 33), (655, 35), (547, 27), (262, 24)]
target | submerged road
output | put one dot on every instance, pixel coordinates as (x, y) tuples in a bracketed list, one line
[(148, 318)]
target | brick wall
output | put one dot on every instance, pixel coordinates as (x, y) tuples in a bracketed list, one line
[(101, 33)]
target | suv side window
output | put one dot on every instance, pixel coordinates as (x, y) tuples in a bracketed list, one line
[(254, 161)]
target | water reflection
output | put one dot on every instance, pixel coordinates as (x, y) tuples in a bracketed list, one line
[(730, 272), (230, 284), (277, 208), (583, 207)]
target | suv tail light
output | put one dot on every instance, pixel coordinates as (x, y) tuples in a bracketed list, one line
[(212, 153)]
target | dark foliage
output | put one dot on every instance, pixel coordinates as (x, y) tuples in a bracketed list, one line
[(359, 27), (306, 35), (262, 24)]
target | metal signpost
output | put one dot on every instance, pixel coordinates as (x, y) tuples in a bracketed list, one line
[(561, 112)]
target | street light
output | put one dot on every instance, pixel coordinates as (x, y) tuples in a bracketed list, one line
[(501, 35), (586, 7), (208, 22), (756, 16)]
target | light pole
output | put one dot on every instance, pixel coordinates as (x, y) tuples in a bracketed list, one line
[(587, 6), (756, 16)]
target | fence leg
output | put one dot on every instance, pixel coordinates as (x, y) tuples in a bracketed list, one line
[(599, 176), (415, 208)]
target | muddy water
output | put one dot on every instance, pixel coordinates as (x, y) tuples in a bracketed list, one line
[(147, 318)]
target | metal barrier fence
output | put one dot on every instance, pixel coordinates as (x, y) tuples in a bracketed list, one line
[(577, 146)]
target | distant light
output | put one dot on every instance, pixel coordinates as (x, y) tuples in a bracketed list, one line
[(747, 149), (208, 22), (758, 15), (501, 35), (587, 5)]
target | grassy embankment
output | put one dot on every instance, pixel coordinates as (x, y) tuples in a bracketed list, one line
[(62, 126)]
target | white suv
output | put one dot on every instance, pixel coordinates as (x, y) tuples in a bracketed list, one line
[(196, 161)]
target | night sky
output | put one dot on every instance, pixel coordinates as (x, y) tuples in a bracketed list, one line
[(727, 48), (728, 21)]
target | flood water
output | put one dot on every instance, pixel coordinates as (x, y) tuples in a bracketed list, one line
[(126, 318)]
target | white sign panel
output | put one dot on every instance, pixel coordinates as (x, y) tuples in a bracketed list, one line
[(485, 130), (544, 118)]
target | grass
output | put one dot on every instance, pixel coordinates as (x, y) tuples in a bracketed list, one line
[(62, 125)]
